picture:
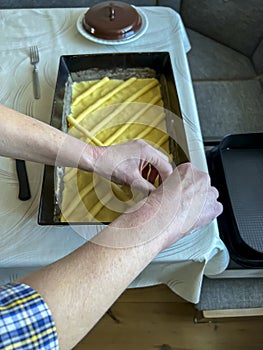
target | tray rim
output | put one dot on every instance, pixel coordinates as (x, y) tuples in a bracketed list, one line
[(227, 220), (166, 55)]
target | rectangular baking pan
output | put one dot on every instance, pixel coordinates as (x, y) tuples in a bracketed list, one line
[(72, 68), (236, 168)]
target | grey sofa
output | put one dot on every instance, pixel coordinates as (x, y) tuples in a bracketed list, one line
[(226, 63)]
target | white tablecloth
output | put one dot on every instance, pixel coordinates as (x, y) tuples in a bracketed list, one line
[(24, 245)]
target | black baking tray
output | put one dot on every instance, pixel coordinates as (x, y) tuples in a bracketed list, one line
[(69, 68), (236, 169)]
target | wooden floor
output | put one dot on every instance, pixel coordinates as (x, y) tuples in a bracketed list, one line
[(156, 319)]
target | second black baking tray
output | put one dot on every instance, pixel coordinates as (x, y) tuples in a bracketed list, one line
[(236, 168), (88, 67)]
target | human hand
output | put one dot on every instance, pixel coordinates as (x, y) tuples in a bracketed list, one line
[(128, 164), (183, 203), (187, 202)]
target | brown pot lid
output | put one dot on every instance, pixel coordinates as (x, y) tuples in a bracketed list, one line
[(112, 20)]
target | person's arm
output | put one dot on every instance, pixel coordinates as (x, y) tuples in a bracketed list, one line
[(22, 137), (81, 287)]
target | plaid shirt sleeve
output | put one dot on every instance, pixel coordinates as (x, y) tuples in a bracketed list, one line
[(25, 319)]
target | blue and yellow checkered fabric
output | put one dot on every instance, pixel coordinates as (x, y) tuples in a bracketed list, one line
[(25, 319)]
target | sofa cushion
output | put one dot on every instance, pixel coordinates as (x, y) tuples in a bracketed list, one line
[(258, 57), (236, 23), (5, 4), (219, 294), (209, 59), (174, 4), (229, 107)]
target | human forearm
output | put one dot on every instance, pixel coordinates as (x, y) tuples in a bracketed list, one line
[(80, 288), (26, 138)]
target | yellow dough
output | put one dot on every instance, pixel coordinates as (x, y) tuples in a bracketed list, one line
[(107, 112)]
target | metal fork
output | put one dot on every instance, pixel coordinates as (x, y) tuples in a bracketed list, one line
[(34, 59)]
